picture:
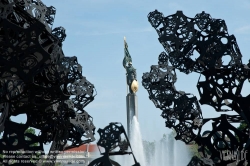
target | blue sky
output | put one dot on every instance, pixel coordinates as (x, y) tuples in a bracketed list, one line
[(95, 31)]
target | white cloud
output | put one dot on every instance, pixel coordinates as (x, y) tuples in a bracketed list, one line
[(243, 30)]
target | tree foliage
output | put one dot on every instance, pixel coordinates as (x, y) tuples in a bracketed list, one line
[(32, 131), (193, 148), (241, 127), (29, 130)]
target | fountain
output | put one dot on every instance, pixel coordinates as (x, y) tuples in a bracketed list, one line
[(163, 148), (136, 141), (166, 152)]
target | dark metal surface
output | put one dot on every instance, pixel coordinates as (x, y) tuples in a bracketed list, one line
[(182, 38), (110, 140), (37, 80)]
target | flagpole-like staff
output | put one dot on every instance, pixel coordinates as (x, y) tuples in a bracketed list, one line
[(125, 46)]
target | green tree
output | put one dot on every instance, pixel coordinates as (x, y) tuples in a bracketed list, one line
[(29, 130), (242, 126), (32, 131), (193, 148)]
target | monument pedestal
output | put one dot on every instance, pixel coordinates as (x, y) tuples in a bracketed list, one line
[(132, 110)]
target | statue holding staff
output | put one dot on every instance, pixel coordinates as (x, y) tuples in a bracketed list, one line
[(130, 70)]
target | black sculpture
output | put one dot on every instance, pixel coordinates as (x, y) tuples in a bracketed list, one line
[(110, 139), (180, 37), (39, 81)]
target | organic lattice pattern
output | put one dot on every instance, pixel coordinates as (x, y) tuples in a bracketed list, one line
[(37, 80), (110, 139), (183, 37)]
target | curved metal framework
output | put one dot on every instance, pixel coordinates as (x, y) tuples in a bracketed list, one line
[(110, 140), (182, 38), (37, 80)]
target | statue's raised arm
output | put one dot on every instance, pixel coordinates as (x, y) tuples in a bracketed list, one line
[(127, 57), (130, 70)]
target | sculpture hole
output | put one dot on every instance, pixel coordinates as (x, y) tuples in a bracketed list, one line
[(212, 140), (225, 108), (224, 40), (160, 25), (21, 118), (201, 90), (237, 82), (245, 89), (226, 90), (226, 59), (195, 55), (234, 90), (196, 27), (195, 131), (220, 81), (209, 27), (227, 139), (203, 33), (214, 99), (227, 101), (202, 78), (232, 132)]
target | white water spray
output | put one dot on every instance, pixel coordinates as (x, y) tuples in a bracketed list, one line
[(136, 142), (167, 152), (137, 147)]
